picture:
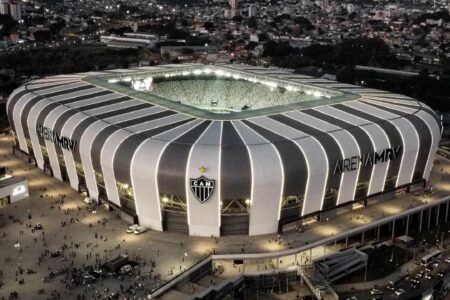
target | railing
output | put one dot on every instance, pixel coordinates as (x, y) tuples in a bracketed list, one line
[(333, 238), (167, 286), (161, 290), (234, 281)]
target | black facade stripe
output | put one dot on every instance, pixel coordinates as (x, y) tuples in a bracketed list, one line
[(122, 111), (236, 174), (173, 163), (41, 118), (59, 124), (85, 97), (294, 163), (164, 128), (395, 97), (98, 143), (11, 104), (146, 118), (362, 138), (31, 103), (68, 91), (47, 109), (77, 134), (74, 99), (127, 149), (13, 101), (332, 150), (55, 84), (103, 103), (391, 131), (59, 81), (417, 107), (82, 127), (103, 135), (425, 138)]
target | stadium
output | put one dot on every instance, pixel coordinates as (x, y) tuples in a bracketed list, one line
[(223, 149)]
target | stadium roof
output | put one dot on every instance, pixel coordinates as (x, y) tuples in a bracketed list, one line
[(111, 81)]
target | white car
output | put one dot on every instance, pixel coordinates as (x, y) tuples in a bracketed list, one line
[(140, 229), (126, 269), (132, 228), (376, 292), (88, 200), (399, 292)]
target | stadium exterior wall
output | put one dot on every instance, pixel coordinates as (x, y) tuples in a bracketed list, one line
[(94, 138)]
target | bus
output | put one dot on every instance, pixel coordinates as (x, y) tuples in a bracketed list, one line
[(430, 258)]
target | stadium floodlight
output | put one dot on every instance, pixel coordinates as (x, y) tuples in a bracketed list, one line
[(219, 72)]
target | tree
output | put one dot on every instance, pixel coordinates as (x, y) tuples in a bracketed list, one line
[(237, 19), (251, 45), (7, 24), (253, 23), (42, 36), (263, 37), (208, 26)]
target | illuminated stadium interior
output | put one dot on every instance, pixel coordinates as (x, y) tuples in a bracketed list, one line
[(218, 90)]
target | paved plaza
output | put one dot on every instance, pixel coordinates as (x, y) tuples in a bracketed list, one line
[(91, 236)]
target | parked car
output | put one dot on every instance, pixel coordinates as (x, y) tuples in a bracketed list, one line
[(140, 229), (38, 226), (88, 200), (87, 278), (131, 228), (376, 292), (399, 292), (126, 269), (55, 253)]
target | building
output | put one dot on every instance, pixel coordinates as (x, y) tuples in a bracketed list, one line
[(12, 189), (130, 40), (12, 8), (252, 10), (15, 10), (211, 150), (4, 7)]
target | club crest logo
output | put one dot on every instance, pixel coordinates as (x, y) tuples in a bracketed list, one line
[(202, 188)]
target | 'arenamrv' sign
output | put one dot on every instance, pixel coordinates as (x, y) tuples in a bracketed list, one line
[(54, 137), (368, 159)]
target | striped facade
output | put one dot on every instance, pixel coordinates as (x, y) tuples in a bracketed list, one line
[(140, 157)]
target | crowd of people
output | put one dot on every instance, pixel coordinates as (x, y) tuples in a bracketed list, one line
[(227, 94)]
